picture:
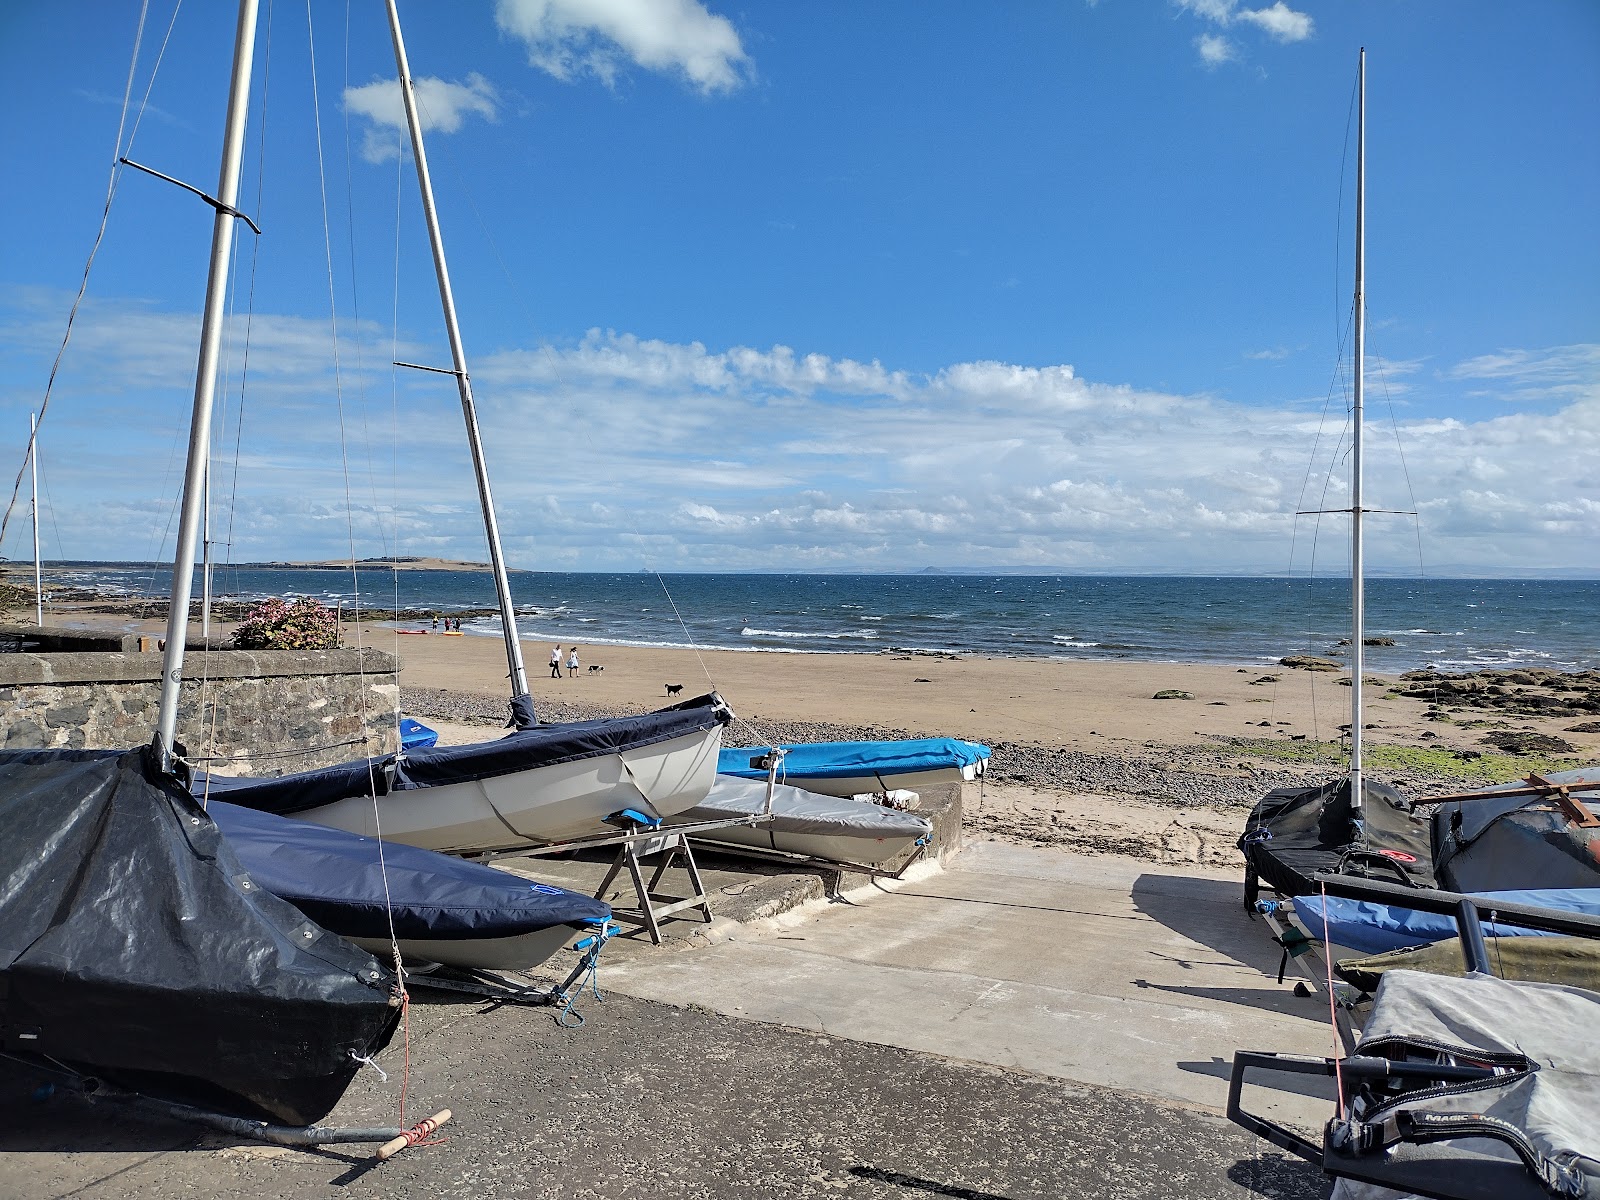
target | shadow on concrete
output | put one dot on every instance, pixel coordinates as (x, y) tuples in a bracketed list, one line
[(913, 1183), (1318, 1087), (1280, 1177), (1210, 912), (1267, 998)]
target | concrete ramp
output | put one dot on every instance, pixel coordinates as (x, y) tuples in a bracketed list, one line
[(1099, 970)]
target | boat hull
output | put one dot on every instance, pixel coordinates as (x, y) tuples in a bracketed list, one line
[(556, 802), (521, 952), (804, 822)]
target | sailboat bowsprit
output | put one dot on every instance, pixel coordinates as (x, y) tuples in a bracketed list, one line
[(135, 947)]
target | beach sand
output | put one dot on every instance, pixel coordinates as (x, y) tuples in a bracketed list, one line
[(1085, 757), (1089, 706)]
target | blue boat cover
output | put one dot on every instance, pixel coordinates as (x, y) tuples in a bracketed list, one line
[(520, 750), (1372, 928), (414, 735), (840, 760), (335, 878)]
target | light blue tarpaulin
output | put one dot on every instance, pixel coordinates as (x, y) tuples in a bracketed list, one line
[(841, 760), (1371, 928)]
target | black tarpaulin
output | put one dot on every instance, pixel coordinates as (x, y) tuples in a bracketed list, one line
[(1295, 832), (133, 946)]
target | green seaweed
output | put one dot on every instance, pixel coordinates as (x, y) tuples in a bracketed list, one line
[(1439, 762)]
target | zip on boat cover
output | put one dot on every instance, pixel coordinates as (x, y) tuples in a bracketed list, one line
[(1295, 832), (1520, 840), (439, 766), (1527, 1130), (850, 760), (134, 946), (337, 880)]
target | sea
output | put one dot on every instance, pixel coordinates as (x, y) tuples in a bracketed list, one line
[(1447, 624)]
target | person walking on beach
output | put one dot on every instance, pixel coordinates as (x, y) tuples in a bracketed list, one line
[(572, 663), (555, 662)]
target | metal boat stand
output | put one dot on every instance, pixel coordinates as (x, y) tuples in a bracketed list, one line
[(393, 1139), (646, 840), (835, 869), (642, 837)]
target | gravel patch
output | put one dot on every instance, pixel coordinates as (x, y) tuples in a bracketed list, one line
[(1173, 776)]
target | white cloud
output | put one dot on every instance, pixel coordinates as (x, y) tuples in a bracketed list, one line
[(1215, 50), (442, 107), (1278, 21), (617, 447), (567, 38)]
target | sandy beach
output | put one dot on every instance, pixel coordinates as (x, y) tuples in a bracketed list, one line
[(1085, 757)]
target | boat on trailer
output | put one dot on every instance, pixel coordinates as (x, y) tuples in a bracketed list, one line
[(858, 768), (1472, 1088), (804, 823), (534, 786)]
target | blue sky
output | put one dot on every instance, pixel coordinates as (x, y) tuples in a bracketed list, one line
[(827, 286)]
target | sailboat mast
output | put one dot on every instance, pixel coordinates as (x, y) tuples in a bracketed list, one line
[(206, 379), (33, 462), (1357, 558), (458, 355)]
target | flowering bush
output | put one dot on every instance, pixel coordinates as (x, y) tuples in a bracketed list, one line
[(279, 625)]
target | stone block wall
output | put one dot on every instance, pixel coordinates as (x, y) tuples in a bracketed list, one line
[(259, 712)]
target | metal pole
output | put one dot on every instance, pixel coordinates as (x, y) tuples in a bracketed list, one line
[(1357, 559), (458, 355), (33, 461), (205, 381), (205, 557)]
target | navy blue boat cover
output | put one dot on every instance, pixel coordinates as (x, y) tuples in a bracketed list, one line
[(133, 947), (521, 750), (337, 880)]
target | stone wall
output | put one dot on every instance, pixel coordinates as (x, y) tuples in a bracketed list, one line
[(262, 712)]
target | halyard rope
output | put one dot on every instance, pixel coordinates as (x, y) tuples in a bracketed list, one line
[(344, 462)]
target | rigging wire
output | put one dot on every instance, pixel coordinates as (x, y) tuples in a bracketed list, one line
[(344, 462), (105, 218)]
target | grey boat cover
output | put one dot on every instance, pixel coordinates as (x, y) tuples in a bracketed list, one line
[(521, 750), (1505, 842), (795, 810), (1548, 1099)]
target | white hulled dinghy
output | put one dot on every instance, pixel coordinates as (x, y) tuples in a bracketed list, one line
[(535, 786)]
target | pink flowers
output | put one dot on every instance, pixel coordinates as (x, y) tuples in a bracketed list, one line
[(280, 625)]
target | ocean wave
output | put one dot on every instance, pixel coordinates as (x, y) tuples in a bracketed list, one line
[(865, 634)]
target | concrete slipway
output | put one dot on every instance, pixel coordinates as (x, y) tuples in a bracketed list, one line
[(1022, 1025), (1098, 970)]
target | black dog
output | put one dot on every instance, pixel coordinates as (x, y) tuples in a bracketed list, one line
[(674, 688), (592, 670)]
